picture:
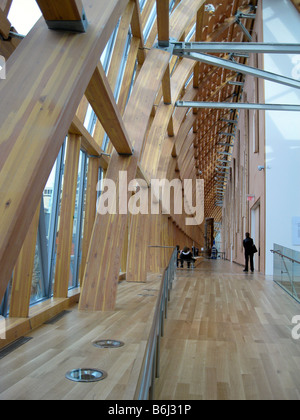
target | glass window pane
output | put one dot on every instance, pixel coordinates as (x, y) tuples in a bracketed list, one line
[(48, 200), (56, 213), (78, 221), (36, 285)]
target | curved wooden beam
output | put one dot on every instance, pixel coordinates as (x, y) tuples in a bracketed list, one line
[(103, 264), (46, 79)]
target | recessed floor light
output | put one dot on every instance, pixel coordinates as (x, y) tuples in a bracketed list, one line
[(108, 344), (86, 375)]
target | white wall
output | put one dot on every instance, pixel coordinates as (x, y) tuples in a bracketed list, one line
[(281, 23)]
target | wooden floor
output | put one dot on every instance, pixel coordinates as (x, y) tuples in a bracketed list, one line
[(36, 370), (228, 336)]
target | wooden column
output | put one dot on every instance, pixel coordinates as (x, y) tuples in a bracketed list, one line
[(90, 210), (22, 278), (125, 246), (155, 255), (103, 263), (138, 251), (64, 15), (64, 247), (162, 7)]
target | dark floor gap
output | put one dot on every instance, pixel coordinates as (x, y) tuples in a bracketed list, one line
[(14, 346), (57, 317)]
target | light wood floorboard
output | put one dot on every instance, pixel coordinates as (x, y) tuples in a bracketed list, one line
[(36, 370), (228, 337)]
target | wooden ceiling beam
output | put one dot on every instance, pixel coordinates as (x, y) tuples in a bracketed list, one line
[(64, 15), (163, 22), (101, 99), (5, 6), (88, 143), (90, 146), (137, 31), (4, 25)]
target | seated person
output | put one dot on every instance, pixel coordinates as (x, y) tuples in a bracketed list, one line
[(187, 256)]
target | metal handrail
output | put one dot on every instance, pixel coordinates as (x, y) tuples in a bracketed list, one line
[(150, 367), (274, 251)]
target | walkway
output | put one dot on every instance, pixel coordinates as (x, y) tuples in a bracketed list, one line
[(36, 370), (228, 336)]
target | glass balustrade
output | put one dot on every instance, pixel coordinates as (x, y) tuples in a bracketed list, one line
[(286, 269)]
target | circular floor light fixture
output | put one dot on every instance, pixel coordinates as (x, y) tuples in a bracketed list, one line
[(86, 375), (108, 344)]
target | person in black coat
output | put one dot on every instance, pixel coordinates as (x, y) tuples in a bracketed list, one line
[(248, 247), (187, 256)]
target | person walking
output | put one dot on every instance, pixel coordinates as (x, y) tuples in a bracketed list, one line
[(248, 247)]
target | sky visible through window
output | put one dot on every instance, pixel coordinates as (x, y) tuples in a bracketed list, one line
[(23, 15)]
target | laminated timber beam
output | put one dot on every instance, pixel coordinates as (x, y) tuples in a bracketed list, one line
[(66, 15), (103, 264), (4, 25), (22, 276), (64, 239), (163, 25), (47, 77), (90, 214), (130, 16), (88, 143), (163, 28), (101, 99), (137, 31), (92, 148), (142, 225), (5, 6)]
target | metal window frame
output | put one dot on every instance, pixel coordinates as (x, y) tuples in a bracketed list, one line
[(54, 219), (77, 242)]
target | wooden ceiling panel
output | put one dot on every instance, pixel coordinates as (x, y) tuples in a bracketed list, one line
[(213, 86)]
